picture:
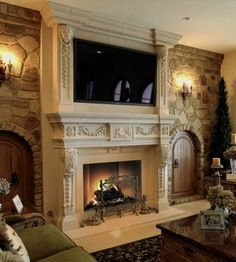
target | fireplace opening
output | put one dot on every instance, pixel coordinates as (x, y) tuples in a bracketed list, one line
[(112, 185)]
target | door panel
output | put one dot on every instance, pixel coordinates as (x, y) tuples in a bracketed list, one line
[(16, 167), (183, 166)]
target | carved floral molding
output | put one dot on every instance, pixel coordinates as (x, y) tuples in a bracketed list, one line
[(78, 129)]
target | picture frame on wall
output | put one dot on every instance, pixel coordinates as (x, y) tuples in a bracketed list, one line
[(211, 219)]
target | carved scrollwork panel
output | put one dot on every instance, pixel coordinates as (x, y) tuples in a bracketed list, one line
[(120, 133), (163, 51), (89, 131), (68, 195), (65, 34), (163, 179), (148, 131)]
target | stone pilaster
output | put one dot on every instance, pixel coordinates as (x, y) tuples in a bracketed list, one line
[(69, 158)]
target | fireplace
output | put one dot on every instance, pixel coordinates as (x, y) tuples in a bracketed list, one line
[(86, 134), (116, 185)]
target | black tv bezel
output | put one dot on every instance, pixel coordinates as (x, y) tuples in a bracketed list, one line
[(110, 102)]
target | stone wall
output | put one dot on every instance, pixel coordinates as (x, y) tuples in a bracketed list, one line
[(20, 94), (195, 114)]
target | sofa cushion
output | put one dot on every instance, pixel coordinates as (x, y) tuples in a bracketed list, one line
[(75, 254), (44, 241)]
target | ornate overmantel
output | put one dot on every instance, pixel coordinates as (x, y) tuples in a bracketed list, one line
[(68, 22), (79, 128)]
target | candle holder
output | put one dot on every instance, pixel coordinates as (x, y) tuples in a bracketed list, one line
[(216, 169)]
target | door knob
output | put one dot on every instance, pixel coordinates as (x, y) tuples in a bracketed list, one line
[(176, 163), (14, 179)]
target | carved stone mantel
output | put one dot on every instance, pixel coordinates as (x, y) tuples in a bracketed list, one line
[(95, 130), (76, 131)]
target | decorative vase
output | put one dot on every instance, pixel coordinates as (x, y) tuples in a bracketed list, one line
[(233, 165), (225, 211), (1, 212)]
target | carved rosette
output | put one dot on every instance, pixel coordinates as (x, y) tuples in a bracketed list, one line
[(165, 130), (69, 158), (65, 36)]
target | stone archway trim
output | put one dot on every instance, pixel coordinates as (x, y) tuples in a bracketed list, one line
[(37, 166), (200, 141)]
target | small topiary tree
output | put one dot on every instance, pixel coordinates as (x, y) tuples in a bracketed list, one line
[(221, 136)]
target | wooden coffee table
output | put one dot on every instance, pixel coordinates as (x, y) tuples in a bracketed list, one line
[(183, 240)]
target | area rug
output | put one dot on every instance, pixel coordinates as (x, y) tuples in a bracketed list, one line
[(145, 250)]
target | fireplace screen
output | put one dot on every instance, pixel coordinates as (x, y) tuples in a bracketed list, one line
[(112, 184)]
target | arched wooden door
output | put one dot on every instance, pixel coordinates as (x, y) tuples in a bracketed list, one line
[(16, 167), (184, 159)]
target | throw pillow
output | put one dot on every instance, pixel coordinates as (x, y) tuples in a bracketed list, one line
[(5, 243), (17, 244), (7, 256)]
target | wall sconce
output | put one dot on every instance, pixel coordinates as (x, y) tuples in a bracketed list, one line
[(5, 67), (186, 87), (186, 90)]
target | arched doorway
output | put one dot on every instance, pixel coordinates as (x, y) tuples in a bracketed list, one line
[(16, 165), (184, 165)]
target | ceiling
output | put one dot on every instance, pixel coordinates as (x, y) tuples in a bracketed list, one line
[(211, 25)]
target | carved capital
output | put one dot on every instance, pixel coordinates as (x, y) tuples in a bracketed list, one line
[(69, 157), (162, 52), (65, 34)]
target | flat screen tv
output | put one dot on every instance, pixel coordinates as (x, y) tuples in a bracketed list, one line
[(109, 74)]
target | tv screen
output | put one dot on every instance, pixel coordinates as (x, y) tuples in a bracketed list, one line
[(108, 74)]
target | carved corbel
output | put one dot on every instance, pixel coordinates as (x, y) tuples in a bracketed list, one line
[(69, 158), (65, 34)]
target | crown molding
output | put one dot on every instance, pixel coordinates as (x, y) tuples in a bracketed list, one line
[(54, 13)]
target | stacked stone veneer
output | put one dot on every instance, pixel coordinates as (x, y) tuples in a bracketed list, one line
[(196, 114), (20, 95)]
